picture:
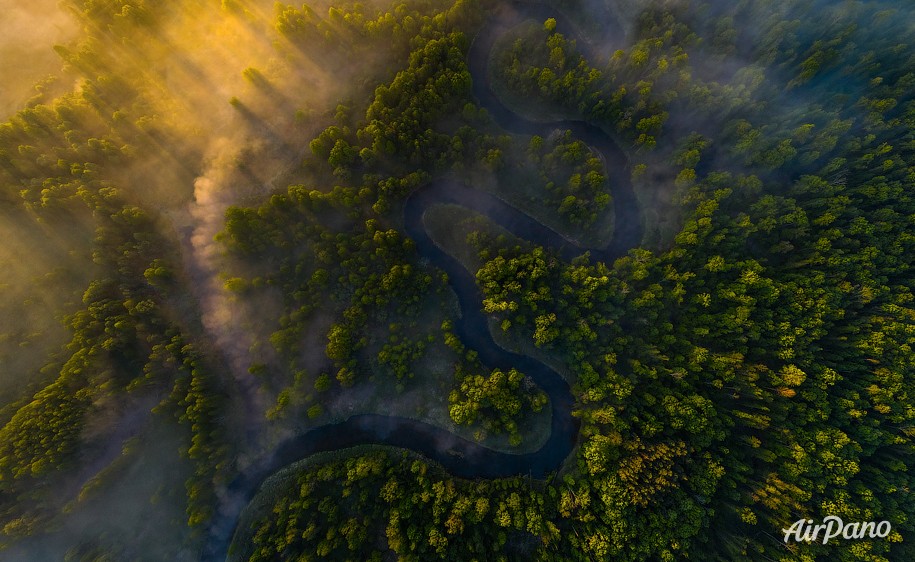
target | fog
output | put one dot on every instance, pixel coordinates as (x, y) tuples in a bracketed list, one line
[(28, 33), (222, 110), (134, 510), (225, 97)]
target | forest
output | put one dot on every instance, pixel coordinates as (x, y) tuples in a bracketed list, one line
[(629, 279)]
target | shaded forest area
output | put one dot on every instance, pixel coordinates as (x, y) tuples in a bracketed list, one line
[(173, 245)]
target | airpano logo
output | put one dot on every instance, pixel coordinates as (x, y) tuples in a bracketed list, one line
[(803, 530)]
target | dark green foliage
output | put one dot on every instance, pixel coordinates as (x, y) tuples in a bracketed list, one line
[(493, 402), (339, 509), (435, 84), (62, 166), (498, 399), (754, 371), (400, 352), (573, 176)]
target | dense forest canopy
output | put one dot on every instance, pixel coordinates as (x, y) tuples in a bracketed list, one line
[(205, 209)]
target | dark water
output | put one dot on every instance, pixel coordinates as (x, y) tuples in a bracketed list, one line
[(460, 457)]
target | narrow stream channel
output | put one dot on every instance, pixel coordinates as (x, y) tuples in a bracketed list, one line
[(460, 457)]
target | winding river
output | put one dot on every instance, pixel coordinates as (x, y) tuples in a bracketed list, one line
[(461, 457)]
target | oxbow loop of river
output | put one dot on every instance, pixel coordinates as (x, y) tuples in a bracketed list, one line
[(461, 457)]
